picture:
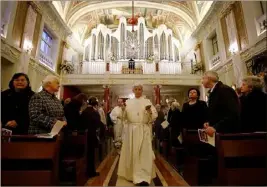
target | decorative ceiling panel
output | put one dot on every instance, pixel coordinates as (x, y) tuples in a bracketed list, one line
[(180, 16)]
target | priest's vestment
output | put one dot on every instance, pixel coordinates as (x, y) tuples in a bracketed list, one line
[(116, 116), (137, 157)]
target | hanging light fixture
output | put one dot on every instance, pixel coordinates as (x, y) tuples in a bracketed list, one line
[(131, 43)]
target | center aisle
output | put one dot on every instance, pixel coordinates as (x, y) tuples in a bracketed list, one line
[(166, 175)]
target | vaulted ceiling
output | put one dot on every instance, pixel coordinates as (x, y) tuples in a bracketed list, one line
[(182, 17)]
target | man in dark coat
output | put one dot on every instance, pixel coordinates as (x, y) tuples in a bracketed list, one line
[(223, 106)]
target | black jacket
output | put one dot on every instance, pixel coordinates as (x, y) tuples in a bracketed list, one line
[(223, 109), (72, 114), (90, 119), (194, 116), (15, 106), (253, 111)]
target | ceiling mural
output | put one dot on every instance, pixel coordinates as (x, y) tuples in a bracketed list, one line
[(182, 17)]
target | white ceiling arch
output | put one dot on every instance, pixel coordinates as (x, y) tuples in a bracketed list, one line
[(117, 4)]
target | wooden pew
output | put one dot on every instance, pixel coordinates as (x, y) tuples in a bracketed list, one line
[(196, 165), (242, 159), (74, 157), (30, 161)]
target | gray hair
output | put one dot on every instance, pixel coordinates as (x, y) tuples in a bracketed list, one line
[(253, 82), (137, 84), (175, 105), (213, 75), (49, 79)]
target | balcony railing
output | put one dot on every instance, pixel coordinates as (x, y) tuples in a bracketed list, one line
[(46, 60), (216, 59), (141, 67)]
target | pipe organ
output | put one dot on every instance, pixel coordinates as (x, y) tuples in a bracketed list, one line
[(104, 44)]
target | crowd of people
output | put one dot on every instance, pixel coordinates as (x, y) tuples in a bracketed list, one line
[(25, 112), (226, 111)]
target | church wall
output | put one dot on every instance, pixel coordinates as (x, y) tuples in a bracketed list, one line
[(229, 65), (25, 25)]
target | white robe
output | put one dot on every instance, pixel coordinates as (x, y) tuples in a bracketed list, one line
[(118, 123), (102, 115), (137, 157)]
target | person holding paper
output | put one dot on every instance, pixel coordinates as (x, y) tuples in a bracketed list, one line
[(223, 106), (45, 109), (136, 162)]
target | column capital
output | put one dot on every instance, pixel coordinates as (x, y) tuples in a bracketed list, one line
[(158, 86), (106, 86)]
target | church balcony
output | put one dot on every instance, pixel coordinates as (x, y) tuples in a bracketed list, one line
[(164, 67), (114, 79)]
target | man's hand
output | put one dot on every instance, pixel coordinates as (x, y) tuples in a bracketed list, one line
[(206, 125), (12, 124), (210, 131)]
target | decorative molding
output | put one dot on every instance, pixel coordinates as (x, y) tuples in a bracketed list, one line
[(225, 68), (253, 50), (113, 79), (9, 52), (40, 68), (216, 11), (53, 19)]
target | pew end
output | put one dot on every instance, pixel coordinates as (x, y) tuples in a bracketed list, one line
[(30, 161), (242, 159), (74, 157)]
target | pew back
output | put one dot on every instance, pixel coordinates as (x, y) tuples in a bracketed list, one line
[(28, 160), (242, 158), (74, 151)]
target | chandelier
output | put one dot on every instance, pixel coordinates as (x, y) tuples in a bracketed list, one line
[(131, 43)]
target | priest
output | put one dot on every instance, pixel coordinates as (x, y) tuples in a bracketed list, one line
[(136, 162), (116, 116)]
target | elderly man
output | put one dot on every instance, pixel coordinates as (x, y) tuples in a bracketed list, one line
[(116, 116), (45, 108), (223, 106), (137, 157)]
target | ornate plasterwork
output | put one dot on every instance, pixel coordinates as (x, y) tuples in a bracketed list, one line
[(9, 52), (225, 68), (186, 12), (41, 69), (208, 23), (52, 18), (257, 48)]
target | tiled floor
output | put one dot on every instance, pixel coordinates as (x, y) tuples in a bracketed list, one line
[(166, 175)]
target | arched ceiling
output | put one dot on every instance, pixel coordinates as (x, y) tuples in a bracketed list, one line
[(182, 17)]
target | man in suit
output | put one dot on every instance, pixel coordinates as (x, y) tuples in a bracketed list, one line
[(223, 106)]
